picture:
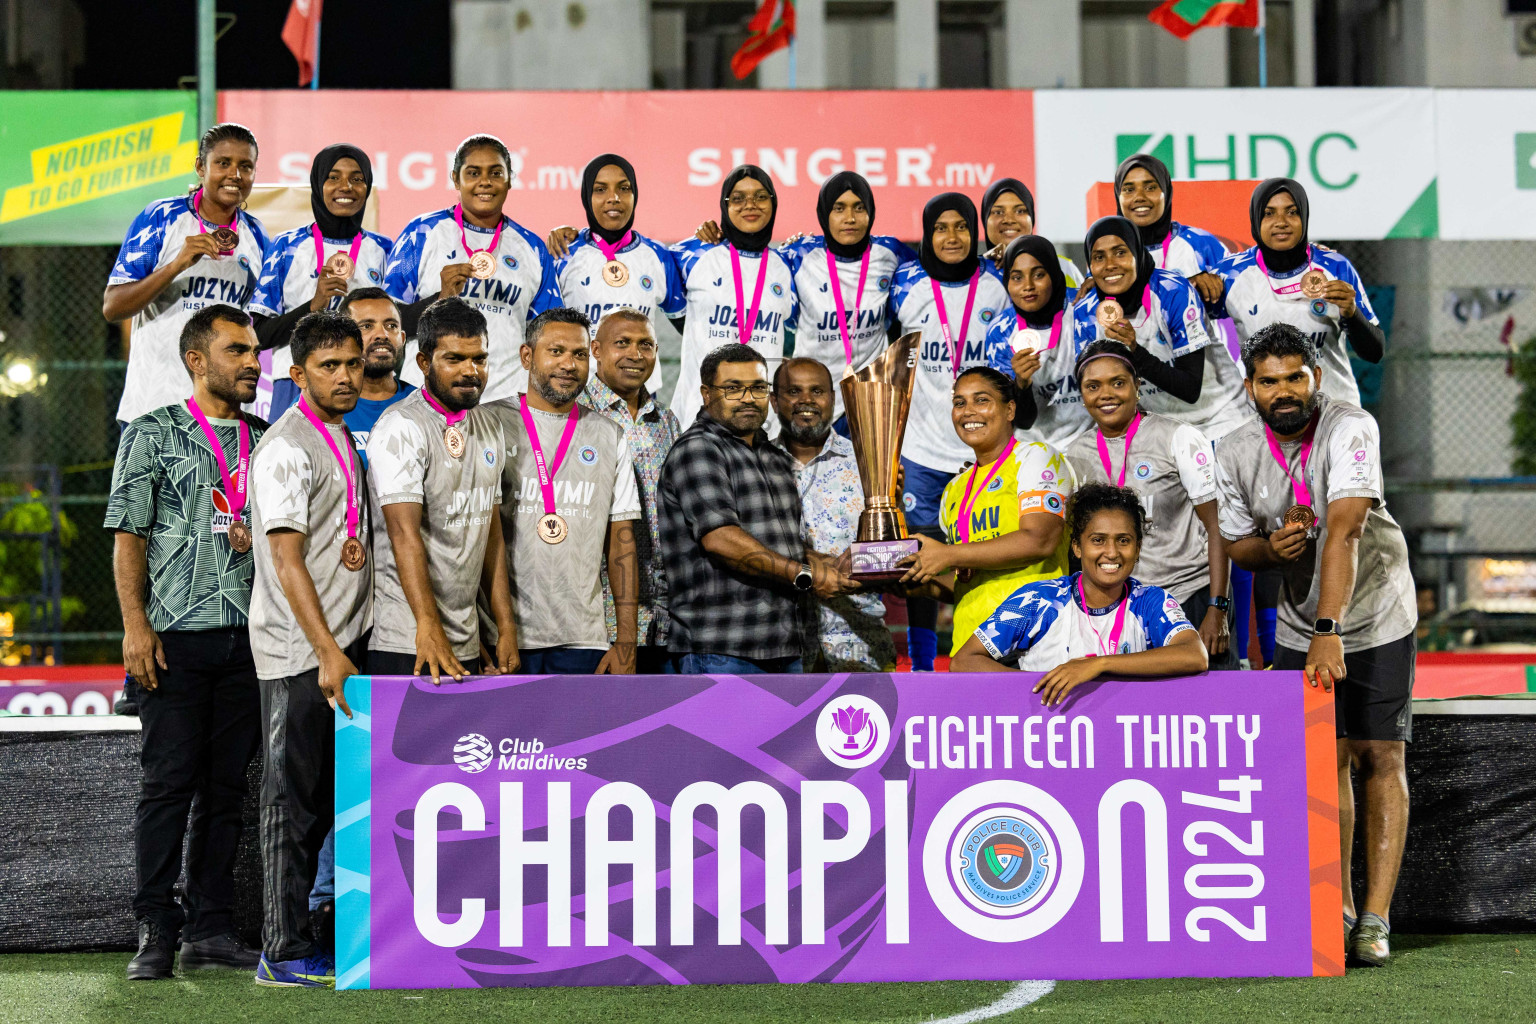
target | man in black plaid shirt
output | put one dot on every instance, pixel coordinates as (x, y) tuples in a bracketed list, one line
[(730, 532)]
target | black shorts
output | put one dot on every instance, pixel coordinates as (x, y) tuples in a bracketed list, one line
[(1374, 701)]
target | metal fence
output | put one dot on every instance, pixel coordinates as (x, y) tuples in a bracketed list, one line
[(1444, 396)]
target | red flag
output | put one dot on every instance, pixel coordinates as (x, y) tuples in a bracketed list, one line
[(300, 34), (771, 28), (1183, 17)]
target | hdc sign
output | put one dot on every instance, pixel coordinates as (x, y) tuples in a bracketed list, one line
[(910, 145), (724, 831)]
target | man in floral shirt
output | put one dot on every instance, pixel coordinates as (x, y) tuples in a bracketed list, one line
[(851, 632), (624, 351)]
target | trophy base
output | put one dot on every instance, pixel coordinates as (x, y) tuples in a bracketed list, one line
[(876, 561)]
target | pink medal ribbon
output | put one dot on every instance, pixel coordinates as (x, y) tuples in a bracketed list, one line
[(353, 500), (1114, 630), (837, 295), (1290, 289), (234, 487), (1163, 263), (956, 348), (458, 218), (608, 250), (1299, 486), (1130, 432), (1056, 322), (314, 232), (202, 227), (451, 417), (746, 320), (967, 502), (547, 472)]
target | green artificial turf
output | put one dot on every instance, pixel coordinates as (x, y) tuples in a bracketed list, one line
[(1470, 978)]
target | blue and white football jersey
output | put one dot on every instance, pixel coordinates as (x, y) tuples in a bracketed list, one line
[(1255, 300), (1171, 323), (156, 375), (931, 440), (1044, 624), (1189, 251), (522, 287), (654, 282), (711, 292), (1059, 413), (291, 271), (869, 320)]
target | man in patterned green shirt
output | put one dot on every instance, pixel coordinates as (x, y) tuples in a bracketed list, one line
[(182, 560)]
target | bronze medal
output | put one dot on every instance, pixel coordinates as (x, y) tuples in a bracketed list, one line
[(239, 536), (1313, 283), (340, 265), (1109, 313), (1028, 340), (552, 528), (615, 273), (1302, 514), (226, 239), (353, 554), (482, 264), (453, 438)]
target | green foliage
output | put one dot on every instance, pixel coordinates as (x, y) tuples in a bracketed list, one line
[(1523, 419), (21, 560)]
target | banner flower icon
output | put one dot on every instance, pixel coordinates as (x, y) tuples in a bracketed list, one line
[(852, 731), (851, 721)]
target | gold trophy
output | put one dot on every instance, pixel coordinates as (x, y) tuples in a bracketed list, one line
[(877, 399)]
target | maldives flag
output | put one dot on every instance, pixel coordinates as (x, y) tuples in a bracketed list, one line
[(771, 28), (300, 35), (1182, 17)]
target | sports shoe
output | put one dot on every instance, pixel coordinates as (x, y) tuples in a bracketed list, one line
[(1349, 927), (1368, 943), (156, 955), (219, 951), (314, 971)]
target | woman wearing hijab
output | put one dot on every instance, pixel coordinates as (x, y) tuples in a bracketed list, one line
[(1035, 345), (846, 315), (1144, 191), (315, 266), (738, 289), (1158, 315), (1008, 212), (1316, 290), (946, 298)]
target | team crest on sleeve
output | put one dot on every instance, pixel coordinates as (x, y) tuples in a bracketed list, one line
[(1319, 307), (588, 455), (510, 262), (778, 289), (1143, 470), (884, 283), (987, 315), (909, 501), (646, 283), (1053, 502), (490, 456), (373, 275)]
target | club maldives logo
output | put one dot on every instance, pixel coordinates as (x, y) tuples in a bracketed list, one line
[(1003, 861), (853, 731), (473, 753), (588, 455)]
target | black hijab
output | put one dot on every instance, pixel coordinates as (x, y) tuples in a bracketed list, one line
[(332, 226), (1154, 233), (948, 273), (995, 192), (1041, 249), (1280, 260), (831, 191), (589, 180), (1123, 229), (755, 241)]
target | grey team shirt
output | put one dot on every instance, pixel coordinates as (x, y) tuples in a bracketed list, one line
[(557, 589), (409, 462), (1171, 469), (1254, 493), (297, 484)]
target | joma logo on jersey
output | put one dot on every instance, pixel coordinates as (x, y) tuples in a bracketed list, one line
[(725, 316), (1329, 155)]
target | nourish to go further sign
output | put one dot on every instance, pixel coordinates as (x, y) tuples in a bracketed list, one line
[(603, 830)]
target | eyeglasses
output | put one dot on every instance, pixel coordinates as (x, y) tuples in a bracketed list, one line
[(736, 392), (756, 199)]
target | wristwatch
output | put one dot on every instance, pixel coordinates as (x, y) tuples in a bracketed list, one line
[(804, 579), (1325, 627), (1223, 602)]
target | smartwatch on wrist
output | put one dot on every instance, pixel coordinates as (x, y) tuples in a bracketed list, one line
[(1325, 627), (1223, 602), (804, 579)]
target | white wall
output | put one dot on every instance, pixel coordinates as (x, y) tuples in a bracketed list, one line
[(1472, 43), (523, 44)]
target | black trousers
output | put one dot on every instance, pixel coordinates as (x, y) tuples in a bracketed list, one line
[(298, 803), (200, 730), (1194, 611)]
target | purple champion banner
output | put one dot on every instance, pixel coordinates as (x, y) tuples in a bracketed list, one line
[(609, 830)]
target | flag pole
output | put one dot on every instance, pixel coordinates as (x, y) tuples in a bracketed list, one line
[(792, 62), (207, 39), (314, 74), (1263, 50)]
